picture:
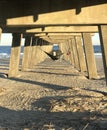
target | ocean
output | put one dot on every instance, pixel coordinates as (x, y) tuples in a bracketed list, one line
[(5, 51)]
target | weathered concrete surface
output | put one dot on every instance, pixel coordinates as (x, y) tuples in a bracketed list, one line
[(58, 34), (75, 53), (64, 50), (63, 29), (103, 39), (71, 52), (26, 54), (54, 12), (81, 56), (89, 53), (15, 55), (40, 55), (57, 37)]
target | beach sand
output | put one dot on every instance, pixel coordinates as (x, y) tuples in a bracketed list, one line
[(52, 96)]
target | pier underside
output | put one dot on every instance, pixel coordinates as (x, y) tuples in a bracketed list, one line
[(46, 89), (70, 24)]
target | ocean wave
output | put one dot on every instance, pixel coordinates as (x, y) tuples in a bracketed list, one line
[(98, 54), (6, 55)]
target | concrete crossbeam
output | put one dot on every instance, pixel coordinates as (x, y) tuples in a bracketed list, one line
[(95, 14), (64, 29), (57, 37), (58, 34)]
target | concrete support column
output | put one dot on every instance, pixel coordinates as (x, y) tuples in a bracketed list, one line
[(33, 52), (27, 51), (40, 47), (103, 41), (60, 47), (70, 53), (63, 49), (39, 54), (67, 49), (81, 54), (75, 54), (89, 53), (15, 55)]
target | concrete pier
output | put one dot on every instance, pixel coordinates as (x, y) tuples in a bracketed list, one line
[(54, 22)]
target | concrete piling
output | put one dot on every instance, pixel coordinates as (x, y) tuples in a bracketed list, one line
[(89, 55)]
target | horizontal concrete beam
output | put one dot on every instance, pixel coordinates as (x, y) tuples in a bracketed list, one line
[(50, 29), (64, 29), (55, 41), (58, 34), (92, 15), (61, 37), (56, 38)]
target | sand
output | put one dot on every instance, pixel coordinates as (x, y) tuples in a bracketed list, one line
[(52, 96)]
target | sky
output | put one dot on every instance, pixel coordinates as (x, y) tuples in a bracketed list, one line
[(6, 39), (95, 39)]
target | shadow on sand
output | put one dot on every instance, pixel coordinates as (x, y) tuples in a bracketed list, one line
[(42, 117)]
